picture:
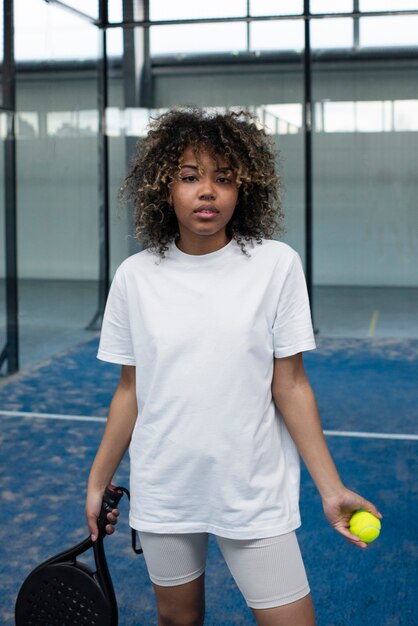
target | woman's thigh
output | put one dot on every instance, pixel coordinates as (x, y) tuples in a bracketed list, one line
[(176, 565), (174, 559), (269, 572), (300, 612)]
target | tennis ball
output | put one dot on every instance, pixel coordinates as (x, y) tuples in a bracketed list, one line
[(365, 526)]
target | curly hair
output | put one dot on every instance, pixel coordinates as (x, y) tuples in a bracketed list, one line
[(236, 137)]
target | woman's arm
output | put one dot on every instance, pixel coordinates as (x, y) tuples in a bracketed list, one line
[(115, 441), (296, 402)]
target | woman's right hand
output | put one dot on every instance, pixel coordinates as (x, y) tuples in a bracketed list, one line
[(93, 508)]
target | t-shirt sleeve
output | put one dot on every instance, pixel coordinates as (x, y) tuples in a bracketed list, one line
[(292, 330), (115, 337)]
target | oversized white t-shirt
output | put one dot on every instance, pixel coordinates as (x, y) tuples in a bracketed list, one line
[(210, 452)]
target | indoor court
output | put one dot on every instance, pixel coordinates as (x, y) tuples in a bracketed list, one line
[(51, 422), (333, 83)]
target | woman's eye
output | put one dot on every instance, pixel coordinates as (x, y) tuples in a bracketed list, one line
[(189, 179), (224, 180)]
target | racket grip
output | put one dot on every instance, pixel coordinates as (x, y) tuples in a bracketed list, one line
[(111, 498)]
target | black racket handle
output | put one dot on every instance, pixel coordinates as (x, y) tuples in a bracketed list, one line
[(111, 498)]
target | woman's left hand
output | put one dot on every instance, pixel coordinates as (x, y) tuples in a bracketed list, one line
[(339, 508)]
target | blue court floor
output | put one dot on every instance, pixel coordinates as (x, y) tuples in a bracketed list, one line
[(51, 421)]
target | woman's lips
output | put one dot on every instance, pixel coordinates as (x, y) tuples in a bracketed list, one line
[(206, 211)]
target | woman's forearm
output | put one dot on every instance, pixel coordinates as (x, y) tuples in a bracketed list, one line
[(295, 399), (117, 435), (296, 402), (298, 407)]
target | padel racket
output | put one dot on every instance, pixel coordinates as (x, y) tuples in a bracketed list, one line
[(64, 591)]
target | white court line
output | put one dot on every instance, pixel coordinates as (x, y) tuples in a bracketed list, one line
[(85, 418), (364, 435), (53, 416)]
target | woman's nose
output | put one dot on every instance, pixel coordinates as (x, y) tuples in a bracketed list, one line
[(207, 190)]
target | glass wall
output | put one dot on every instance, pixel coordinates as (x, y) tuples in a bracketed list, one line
[(364, 122), (57, 171), (247, 54), (365, 187)]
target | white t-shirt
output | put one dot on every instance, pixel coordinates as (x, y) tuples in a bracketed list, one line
[(210, 452)]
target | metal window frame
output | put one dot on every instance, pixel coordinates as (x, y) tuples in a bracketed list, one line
[(103, 158), (307, 159), (355, 14), (9, 355)]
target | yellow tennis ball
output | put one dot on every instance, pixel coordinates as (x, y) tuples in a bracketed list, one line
[(365, 526)]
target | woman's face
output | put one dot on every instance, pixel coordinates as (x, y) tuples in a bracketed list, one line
[(204, 197)]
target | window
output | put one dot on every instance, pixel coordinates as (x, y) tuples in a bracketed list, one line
[(388, 5), (280, 35), (366, 116), (332, 33), (198, 38), (198, 9), (331, 6), (395, 30), (276, 7)]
